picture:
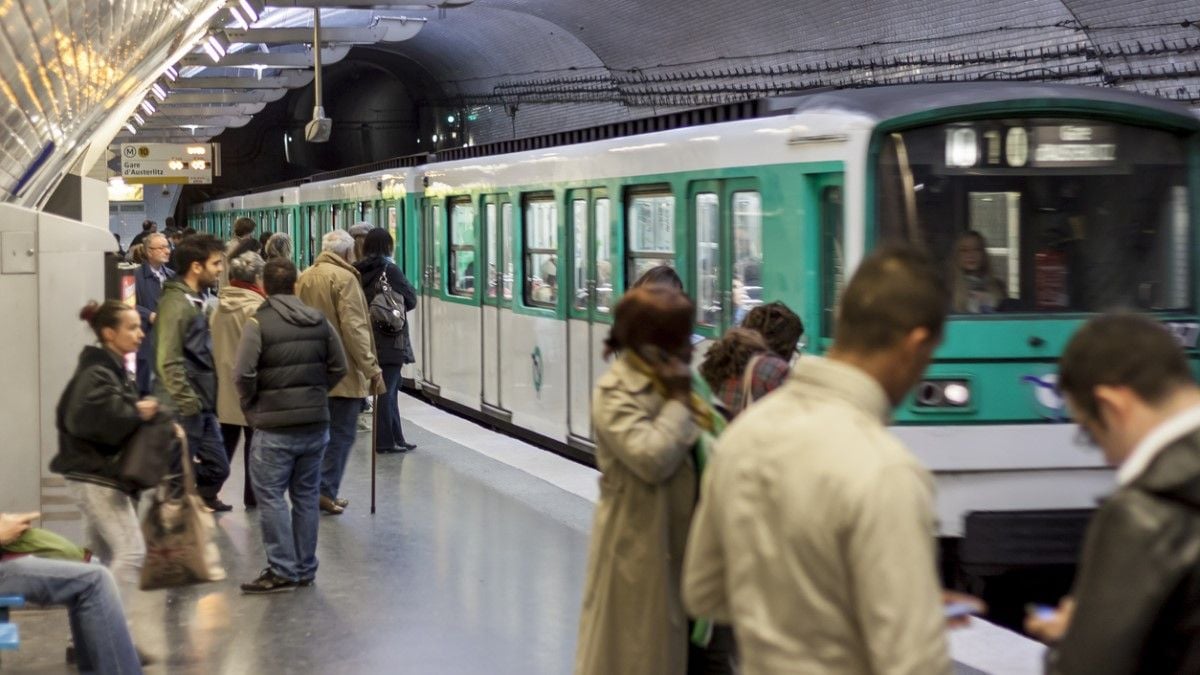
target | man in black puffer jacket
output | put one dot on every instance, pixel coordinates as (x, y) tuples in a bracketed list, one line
[(1136, 603), (288, 360)]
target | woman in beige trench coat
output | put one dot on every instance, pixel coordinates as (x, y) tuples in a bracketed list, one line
[(633, 620)]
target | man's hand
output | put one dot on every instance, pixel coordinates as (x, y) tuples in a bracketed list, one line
[(979, 607), (13, 525), (378, 386), (1050, 626)]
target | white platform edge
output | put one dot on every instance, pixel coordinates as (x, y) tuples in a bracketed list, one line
[(543, 464)]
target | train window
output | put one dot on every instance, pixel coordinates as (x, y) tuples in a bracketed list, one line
[(462, 248), (833, 254), (747, 253), (604, 271), (493, 269), (708, 259), (579, 220), (506, 237), (651, 233), (1043, 214), (541, 253)]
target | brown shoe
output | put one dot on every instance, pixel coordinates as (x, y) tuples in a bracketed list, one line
[(341, 502), (331, 507)]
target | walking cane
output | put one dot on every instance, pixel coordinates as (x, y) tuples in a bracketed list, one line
[(374, 445)]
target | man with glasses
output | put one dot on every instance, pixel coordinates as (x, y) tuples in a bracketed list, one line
[(1135, 607), (148, 284)]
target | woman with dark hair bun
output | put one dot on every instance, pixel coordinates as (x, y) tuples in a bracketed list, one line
[(647, 421), (394, 351), (97, 415)]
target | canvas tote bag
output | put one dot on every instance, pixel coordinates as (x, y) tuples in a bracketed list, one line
[(179, 534)]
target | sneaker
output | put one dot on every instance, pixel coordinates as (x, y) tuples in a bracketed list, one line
[(329, 506), (341, 502), (268, 582), (215, 504), (305, 583), (364, 424)]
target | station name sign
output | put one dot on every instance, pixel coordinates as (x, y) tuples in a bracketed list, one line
[(169, 163)]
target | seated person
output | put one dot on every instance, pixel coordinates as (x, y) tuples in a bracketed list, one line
[(974, 289), (102, 641)]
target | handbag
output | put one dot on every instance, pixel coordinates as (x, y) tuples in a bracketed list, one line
[(146, 458), (388, 312), (179, 533), (748, 384)]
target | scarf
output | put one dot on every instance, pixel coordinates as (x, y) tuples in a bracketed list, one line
[(238, 283)]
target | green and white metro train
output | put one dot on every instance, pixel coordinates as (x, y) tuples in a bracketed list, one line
[(1087, 199)]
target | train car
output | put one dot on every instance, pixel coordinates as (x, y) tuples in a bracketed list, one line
[(1080, 200)]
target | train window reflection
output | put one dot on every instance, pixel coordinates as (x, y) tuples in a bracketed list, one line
[(651, 233), (604, 275), (1043, 215), (708, 259), (747, 253), (462, 248), (506, 237), (541, 253), (579, 221)]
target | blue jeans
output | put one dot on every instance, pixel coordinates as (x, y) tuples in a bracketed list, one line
[(102, 642), (343, 425), (282, 460), (207, 447), (388, 433)]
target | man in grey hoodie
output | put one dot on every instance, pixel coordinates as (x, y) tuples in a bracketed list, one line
[(288, 360)]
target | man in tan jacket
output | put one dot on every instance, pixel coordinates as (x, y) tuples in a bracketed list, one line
[(332, 285), (814, 535)]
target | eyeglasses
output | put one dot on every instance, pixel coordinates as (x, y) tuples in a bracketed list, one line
[(157, 248)]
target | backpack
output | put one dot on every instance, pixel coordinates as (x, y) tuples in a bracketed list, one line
[(387, 310)]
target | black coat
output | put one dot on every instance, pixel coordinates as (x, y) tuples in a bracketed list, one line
[(96, 416), (1137, 592), (392, 350), (147, 289), (288, 360)]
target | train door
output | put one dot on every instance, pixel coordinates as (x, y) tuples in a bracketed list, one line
[(590, 301), (314, 234), (727, 220), (497, 299), (431, 283)]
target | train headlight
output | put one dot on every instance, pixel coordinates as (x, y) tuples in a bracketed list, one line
[(944, 394)]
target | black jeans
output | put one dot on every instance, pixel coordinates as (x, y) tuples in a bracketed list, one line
[(207, 449), (388, 433), (233, 433)]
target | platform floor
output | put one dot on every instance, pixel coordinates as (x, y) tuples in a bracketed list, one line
[(473, 563)]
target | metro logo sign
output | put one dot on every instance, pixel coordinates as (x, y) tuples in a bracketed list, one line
[(169, 163)]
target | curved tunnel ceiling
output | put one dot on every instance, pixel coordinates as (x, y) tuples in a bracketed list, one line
[(525, 67)]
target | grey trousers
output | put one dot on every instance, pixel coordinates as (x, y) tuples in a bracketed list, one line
[(113, 532)]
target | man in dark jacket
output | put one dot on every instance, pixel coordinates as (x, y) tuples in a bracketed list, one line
[(185, 368), (148, 283), (288, 360), (1136, 602)]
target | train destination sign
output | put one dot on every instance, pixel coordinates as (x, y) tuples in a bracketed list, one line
[(1038, 145), (168, 163)]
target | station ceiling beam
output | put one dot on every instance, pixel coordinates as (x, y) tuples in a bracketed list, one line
[(263, 60), (174, 110), (383, 29), (287, 80), (225, 97)]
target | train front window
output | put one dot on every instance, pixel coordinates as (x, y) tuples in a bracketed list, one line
[(1043, 215)]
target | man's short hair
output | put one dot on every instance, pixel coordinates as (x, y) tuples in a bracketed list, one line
[(243, 226), (147, 225), (246, 267), (338, 242), (149, 239), (1121, 350), (895, 290), (196, 248), (279, 277)]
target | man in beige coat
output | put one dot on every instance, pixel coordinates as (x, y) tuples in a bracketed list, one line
[(332, 286), (814, 535), (236, 302)]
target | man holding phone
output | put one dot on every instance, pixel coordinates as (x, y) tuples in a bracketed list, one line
[(814, 535), (1135, 607), (98, 627)]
